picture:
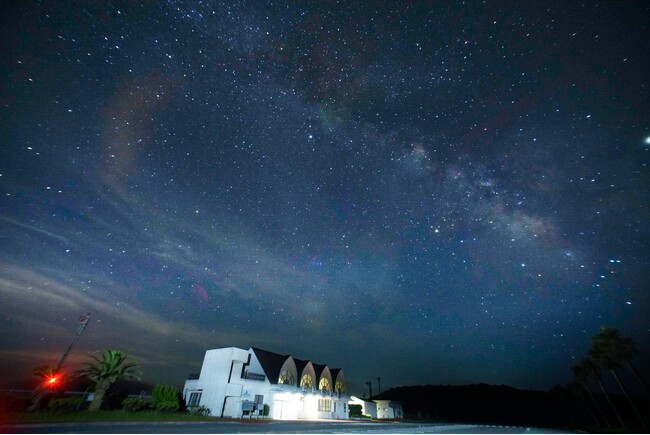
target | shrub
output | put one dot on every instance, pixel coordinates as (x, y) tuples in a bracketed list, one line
[(135, 404), (199, 410), (164, 398), (64, 404)]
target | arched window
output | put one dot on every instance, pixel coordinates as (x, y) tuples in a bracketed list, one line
[(339, 387), (324, 384), (306, 381), (286, 377)]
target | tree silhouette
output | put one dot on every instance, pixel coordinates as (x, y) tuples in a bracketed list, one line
[(594, 371), (560, 391), (110, 366), (576, 389), (609, 350), (623, 349), (584, 371)]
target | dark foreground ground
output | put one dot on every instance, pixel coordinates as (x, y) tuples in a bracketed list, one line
[(267, 427)]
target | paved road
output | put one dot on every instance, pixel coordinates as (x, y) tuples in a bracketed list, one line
[(270, 428)]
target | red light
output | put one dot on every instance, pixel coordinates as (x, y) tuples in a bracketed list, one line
[(52, 381)]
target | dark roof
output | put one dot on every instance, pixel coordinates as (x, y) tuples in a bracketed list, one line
[(271, 363), (335, 373), (300, 366), (318, 368)]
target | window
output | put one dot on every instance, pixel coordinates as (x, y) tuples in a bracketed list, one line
[(254, 376), (286, 377), (306, 381), (195, 398), (339, 387), (324, 384), (324, 405)]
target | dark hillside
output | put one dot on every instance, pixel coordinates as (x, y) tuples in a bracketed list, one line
[(498, 404)]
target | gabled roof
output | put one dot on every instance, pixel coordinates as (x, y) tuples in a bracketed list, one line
[(271, 363), (319, 370), (300, 365), (336, 373)]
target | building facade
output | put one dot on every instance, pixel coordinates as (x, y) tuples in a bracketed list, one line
[(236, 383), (389, 410), (368, 407)]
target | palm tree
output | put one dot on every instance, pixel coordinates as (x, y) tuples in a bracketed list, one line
[(576, 389), (583, 372), (559, 391), (593, 370), (622, 349), (105, 370), (609, 349)]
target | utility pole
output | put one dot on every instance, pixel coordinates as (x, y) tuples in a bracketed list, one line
[(38, 396), (83, 322), (369, 384), (379, 384)]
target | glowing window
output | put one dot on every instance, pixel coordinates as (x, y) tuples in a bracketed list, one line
[(306, 381), (286, 377), (339, 387), (324, 405), (324, 384)]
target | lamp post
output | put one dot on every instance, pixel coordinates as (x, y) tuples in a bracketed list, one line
[(38, 395), (83, 322), (369, 384), (379, 384)]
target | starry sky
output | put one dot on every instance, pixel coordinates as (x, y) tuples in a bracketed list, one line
[(431, 192)]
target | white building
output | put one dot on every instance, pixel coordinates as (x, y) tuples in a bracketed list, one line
[(235, 382), (368, 407), (389, 409)]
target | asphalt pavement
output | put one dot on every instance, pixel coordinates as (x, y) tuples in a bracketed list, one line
[(270, 427)]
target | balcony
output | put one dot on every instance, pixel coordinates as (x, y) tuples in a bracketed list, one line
[(251, 376), (309, 391)]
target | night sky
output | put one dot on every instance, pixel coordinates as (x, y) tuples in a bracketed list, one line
[(444, 193)]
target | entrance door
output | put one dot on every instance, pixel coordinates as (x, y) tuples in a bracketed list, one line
[(284, 410)]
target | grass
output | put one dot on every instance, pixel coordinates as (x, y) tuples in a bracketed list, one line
[(60, 417)]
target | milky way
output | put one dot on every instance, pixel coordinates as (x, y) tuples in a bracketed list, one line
[(450, 194)]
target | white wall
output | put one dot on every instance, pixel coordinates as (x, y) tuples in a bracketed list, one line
[(367, 407), (219, 365), (340, 409), (388, 409), (190, 384)]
